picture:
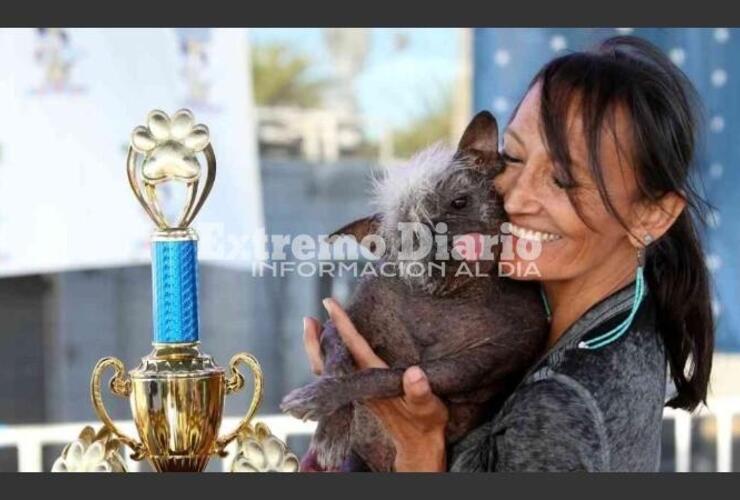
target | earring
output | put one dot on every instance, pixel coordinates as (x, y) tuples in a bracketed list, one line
[(640, 291), (647, 240)]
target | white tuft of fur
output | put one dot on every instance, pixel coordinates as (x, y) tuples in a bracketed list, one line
[(410, 183)]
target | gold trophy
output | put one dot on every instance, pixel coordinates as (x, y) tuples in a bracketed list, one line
[(177, 392)]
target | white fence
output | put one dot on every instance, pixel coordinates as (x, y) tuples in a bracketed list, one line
[(29, 440), (722, 411)]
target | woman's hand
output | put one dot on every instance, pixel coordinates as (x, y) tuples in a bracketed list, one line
[(416, 421)]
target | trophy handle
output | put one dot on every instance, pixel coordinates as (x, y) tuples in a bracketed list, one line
[(120, 385), (233, 384)]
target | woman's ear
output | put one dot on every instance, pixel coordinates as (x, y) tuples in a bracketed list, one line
[(655, 218)]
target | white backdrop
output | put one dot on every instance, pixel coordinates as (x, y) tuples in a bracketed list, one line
[(68, 102)]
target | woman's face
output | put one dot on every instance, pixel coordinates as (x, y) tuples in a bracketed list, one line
[(541, 212)]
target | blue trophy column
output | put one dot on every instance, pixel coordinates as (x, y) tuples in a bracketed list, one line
[(175, 290)]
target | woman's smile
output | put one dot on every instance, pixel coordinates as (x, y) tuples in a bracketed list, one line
[(531, 234)]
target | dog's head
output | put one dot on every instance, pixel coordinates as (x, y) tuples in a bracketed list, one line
[(440, 192)]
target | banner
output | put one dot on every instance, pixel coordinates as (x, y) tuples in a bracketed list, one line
[(70, 98)]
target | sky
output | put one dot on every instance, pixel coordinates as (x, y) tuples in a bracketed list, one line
[(394, 85)]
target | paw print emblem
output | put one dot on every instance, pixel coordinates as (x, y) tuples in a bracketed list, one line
[(168, 149), (91, 452), (260, 451), (170, 146)]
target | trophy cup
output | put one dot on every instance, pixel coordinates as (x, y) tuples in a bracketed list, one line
[(177, 392)]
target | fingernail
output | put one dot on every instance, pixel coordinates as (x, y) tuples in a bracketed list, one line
[(305, 323), (415, 374), (327, 304)]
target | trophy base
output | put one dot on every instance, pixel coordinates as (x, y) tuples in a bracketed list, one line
[(177, 400), (179, 464)]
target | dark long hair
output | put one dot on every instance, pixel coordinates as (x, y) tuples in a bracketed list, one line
[(663, 111)]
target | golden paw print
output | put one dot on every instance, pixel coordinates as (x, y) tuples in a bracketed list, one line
[(170, 146), (260, 451), (91, 452)]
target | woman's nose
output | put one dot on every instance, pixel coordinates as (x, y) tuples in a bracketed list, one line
[(519, 188)]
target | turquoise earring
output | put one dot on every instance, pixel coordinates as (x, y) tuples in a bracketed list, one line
[(640, 291)]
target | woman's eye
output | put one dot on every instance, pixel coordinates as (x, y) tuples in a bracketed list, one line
[(459, 203), (561, 184), (507, 158)]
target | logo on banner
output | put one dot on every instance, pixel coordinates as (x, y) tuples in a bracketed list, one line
[(57, 56), (195, 48)]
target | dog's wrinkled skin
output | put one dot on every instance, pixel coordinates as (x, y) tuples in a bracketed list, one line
[(474, 336)]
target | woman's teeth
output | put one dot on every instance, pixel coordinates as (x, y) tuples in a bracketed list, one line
[(532, 235)]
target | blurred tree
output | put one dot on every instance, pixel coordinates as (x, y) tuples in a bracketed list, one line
[(281, 78), (433, 124)]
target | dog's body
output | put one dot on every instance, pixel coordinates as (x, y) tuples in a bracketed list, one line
[(474, 336)]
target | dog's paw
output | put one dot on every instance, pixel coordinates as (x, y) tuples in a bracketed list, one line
[(312, 401)]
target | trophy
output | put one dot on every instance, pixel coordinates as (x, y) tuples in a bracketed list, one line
[(177, 392)]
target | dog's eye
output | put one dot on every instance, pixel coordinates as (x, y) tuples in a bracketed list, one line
[(459, 203)]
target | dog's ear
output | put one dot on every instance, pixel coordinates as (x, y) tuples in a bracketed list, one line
[(480, 139), (359, 229)]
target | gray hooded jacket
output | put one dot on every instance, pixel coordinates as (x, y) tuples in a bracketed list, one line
[(580, 409)]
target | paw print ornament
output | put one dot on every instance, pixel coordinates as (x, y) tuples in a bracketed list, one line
[(171, 149), (260, 451), (91, 452)]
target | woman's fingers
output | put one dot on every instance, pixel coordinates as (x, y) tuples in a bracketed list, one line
[(416, 416), (311, 335), (416, 388), (356, 343), (419, 398)]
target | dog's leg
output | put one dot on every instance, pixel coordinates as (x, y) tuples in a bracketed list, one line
[(337, 359), (330, 444), (448, 376)]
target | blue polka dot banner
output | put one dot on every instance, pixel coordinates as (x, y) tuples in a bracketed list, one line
[(506, 59)]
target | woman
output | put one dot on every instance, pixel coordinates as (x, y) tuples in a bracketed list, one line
[(598, 167)]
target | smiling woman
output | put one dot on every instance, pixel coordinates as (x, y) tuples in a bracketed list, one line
[(616, 179), (598, 161), (593, 240), (599, 157)]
